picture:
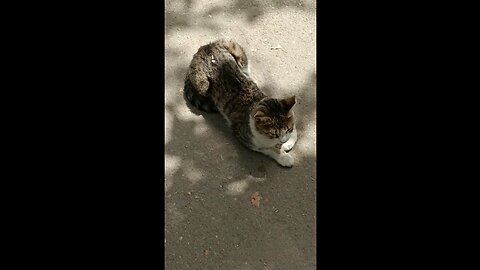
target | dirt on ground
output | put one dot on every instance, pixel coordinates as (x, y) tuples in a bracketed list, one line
[(227, 207)]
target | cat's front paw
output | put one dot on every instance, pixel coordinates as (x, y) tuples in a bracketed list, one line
[(288, 145), (286, 160)]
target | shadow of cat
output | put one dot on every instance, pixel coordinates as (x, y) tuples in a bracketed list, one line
[(254, 162)]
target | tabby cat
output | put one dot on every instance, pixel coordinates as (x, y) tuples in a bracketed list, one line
[(218, 81)]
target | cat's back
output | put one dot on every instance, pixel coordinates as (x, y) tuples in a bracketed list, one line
[(218, 74), (213, 54)]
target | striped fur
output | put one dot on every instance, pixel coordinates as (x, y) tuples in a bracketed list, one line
[(204, 66), (218, 81)]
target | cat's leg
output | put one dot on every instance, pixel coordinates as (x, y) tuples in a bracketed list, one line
[(288, 145), (199, 80), (279, 155), (196, 91)]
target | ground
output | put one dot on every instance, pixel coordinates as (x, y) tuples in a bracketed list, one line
[(210, 178)]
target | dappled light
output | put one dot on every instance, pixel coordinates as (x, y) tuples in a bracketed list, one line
[(209, 175), (172, 164), (239, 187)]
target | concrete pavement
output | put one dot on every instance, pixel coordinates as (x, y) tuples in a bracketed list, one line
[(210, 220)]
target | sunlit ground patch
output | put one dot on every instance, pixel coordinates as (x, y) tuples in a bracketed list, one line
[(239, 187), (172, 164)]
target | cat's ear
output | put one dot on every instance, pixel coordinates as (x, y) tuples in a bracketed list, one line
[(288, 103), (260, 116)]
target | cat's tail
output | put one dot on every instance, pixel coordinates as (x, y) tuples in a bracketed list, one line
[(196, 99), (237, 52)]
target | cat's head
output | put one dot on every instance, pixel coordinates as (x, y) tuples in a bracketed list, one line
[(274, 118)]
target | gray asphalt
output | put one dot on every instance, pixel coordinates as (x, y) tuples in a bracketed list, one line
[(210, 220)]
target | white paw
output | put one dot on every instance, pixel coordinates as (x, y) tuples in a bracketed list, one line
[(288, 145), (286, 160)]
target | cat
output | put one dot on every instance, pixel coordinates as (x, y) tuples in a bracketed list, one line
[(218, 80)]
